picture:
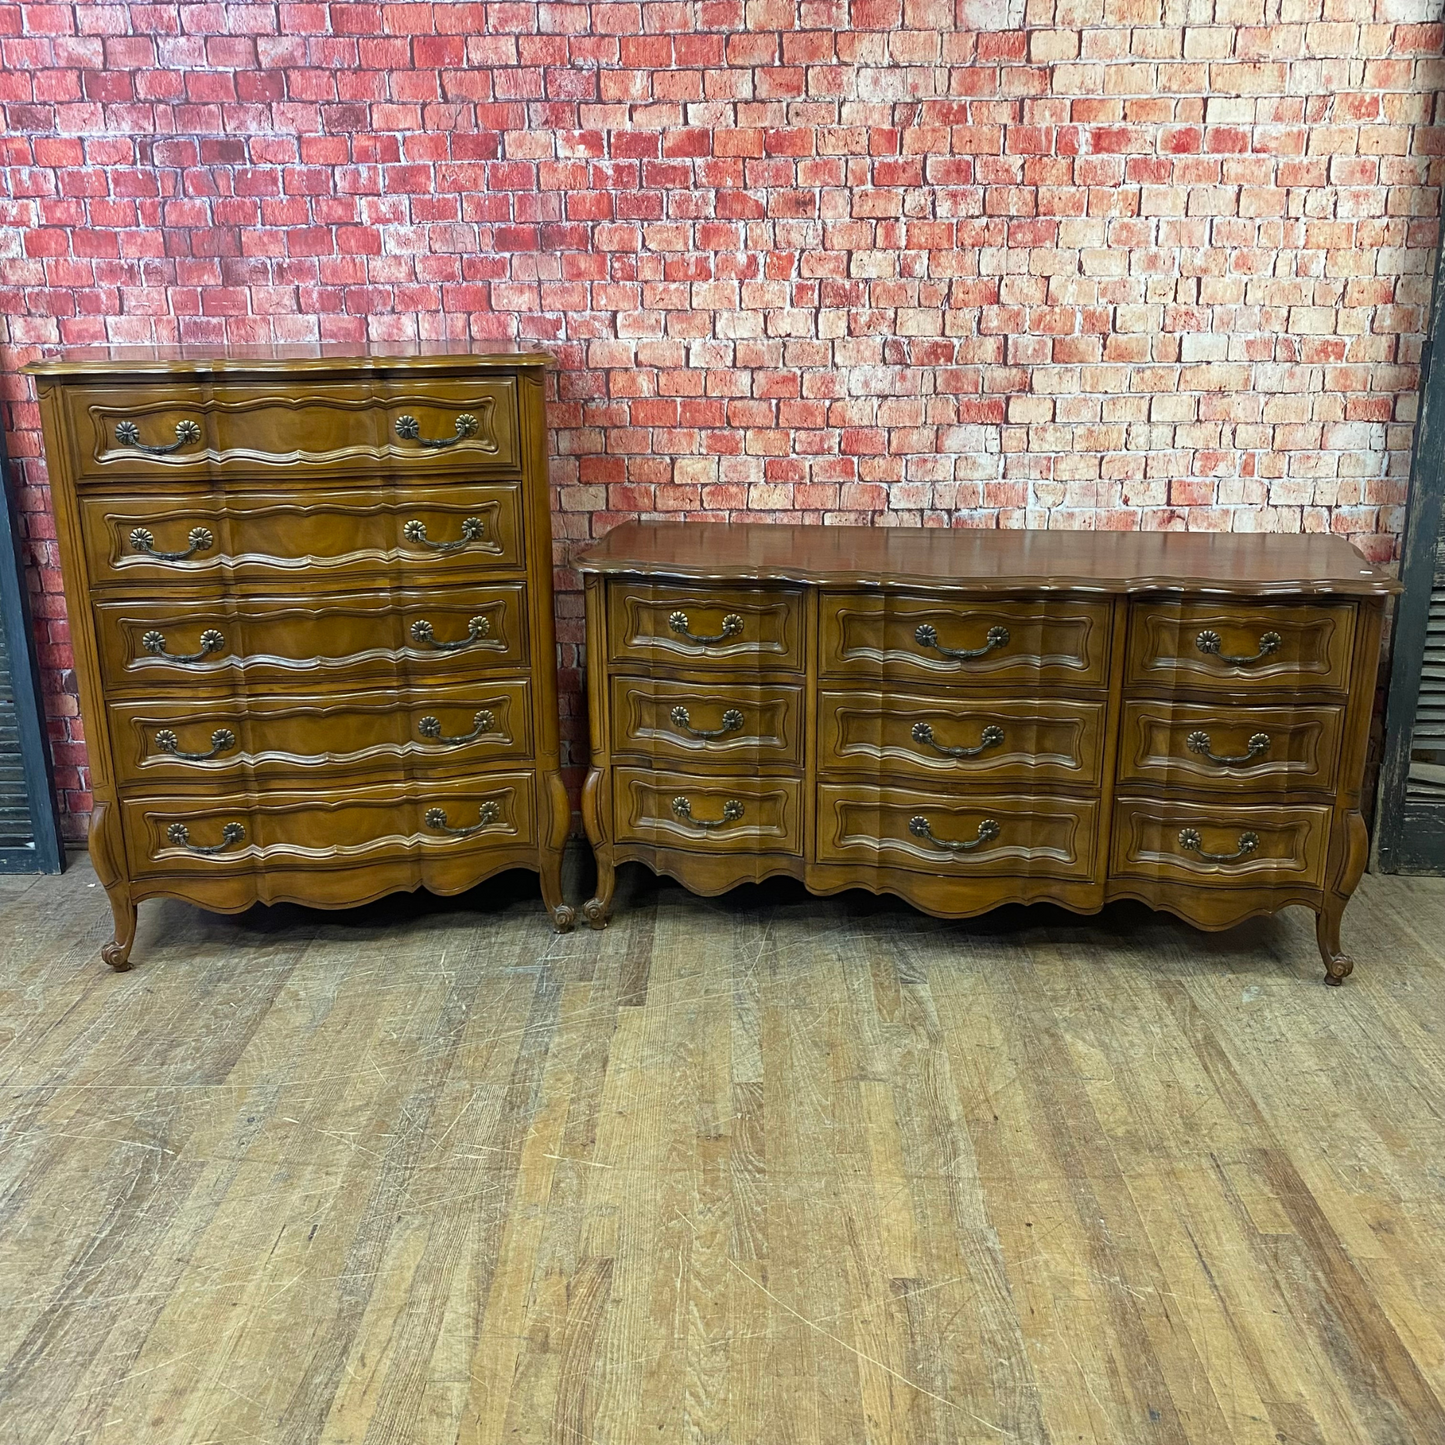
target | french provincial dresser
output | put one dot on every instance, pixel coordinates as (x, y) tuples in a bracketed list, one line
[(311, 605), (970, 718)]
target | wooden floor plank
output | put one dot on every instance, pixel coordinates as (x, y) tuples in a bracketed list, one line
[(764, 1169)]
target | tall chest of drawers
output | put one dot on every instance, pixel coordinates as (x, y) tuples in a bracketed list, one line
[(968, 718), (311, 605)]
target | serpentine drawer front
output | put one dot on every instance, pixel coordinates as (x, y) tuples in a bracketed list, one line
[(437, 730), (972, 718), (328, 829), (311, 603), (127, 426), (360, 636), (205, 538)]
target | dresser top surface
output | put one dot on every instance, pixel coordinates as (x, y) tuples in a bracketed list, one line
[(965, 559), (280, 360)]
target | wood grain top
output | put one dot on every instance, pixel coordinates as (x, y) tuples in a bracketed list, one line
[(968, 560), (289, 360)]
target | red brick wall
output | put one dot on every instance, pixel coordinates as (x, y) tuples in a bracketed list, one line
[(797, 258)]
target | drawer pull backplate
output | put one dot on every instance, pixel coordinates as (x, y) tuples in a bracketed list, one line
[(990, 737), (487, 814), (477, 628), (430, 727), (732, 721), (409, 430), (128, 435), (927, 636), (731, 812), (988, 830), (1257, 746), (222, 741), (231, 834), (201, 540), (1209, 642), (732, 624), (415, 532), (1191, 842), (155, 643)]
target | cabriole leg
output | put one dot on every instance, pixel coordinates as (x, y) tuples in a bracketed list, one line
[(598, 909), (1338, 965)]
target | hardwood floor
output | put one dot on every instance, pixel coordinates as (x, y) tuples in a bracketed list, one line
[(765, 1168)]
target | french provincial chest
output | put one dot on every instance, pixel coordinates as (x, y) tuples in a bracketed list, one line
[(969, 718), (311, 607)]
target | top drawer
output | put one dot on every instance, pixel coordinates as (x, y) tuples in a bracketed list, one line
[(708, 627), (1241, 647), (980, 639), (192, 430)]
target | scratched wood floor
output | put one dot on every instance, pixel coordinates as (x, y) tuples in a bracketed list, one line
[(759, 1169)]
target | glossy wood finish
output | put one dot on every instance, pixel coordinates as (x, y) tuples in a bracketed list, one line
[(742, 627), (957, 736), (205, 537), (962, 835), (359, 637), (1289, 848), (1025, 644), (710, 814), (975, 733), (347, 735), (294, 616), (964, 560), (328, 829), (701, 723), (309, 429), (1168, 642), (1230, 749)]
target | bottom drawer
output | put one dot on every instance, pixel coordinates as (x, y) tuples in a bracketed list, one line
[(708, 814), (327, 829), (1220, 846), (953, 834)]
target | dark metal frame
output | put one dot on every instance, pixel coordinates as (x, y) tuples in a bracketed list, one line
[(48, 853), (1411, 839)]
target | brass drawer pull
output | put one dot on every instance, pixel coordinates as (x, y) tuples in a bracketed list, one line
[(409, 430), (487, 814), (477, 628), (200, 539), (732, 624), (990, 737), (927, 636), (1209, 642), (128, 435), (155, 643), (987, 831), (231, 834), (472, 531), (682, 809), (430, 727), (732, 721), (1190, 840), (222, 741), (1198, 742)]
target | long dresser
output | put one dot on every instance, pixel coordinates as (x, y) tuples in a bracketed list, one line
[(968, 718), (310, 599)]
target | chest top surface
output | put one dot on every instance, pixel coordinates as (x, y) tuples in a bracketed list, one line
[(968, 560)]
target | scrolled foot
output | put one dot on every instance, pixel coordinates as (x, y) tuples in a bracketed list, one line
[(595, 912), (564, 916), (1338, 969), (117, 955)]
